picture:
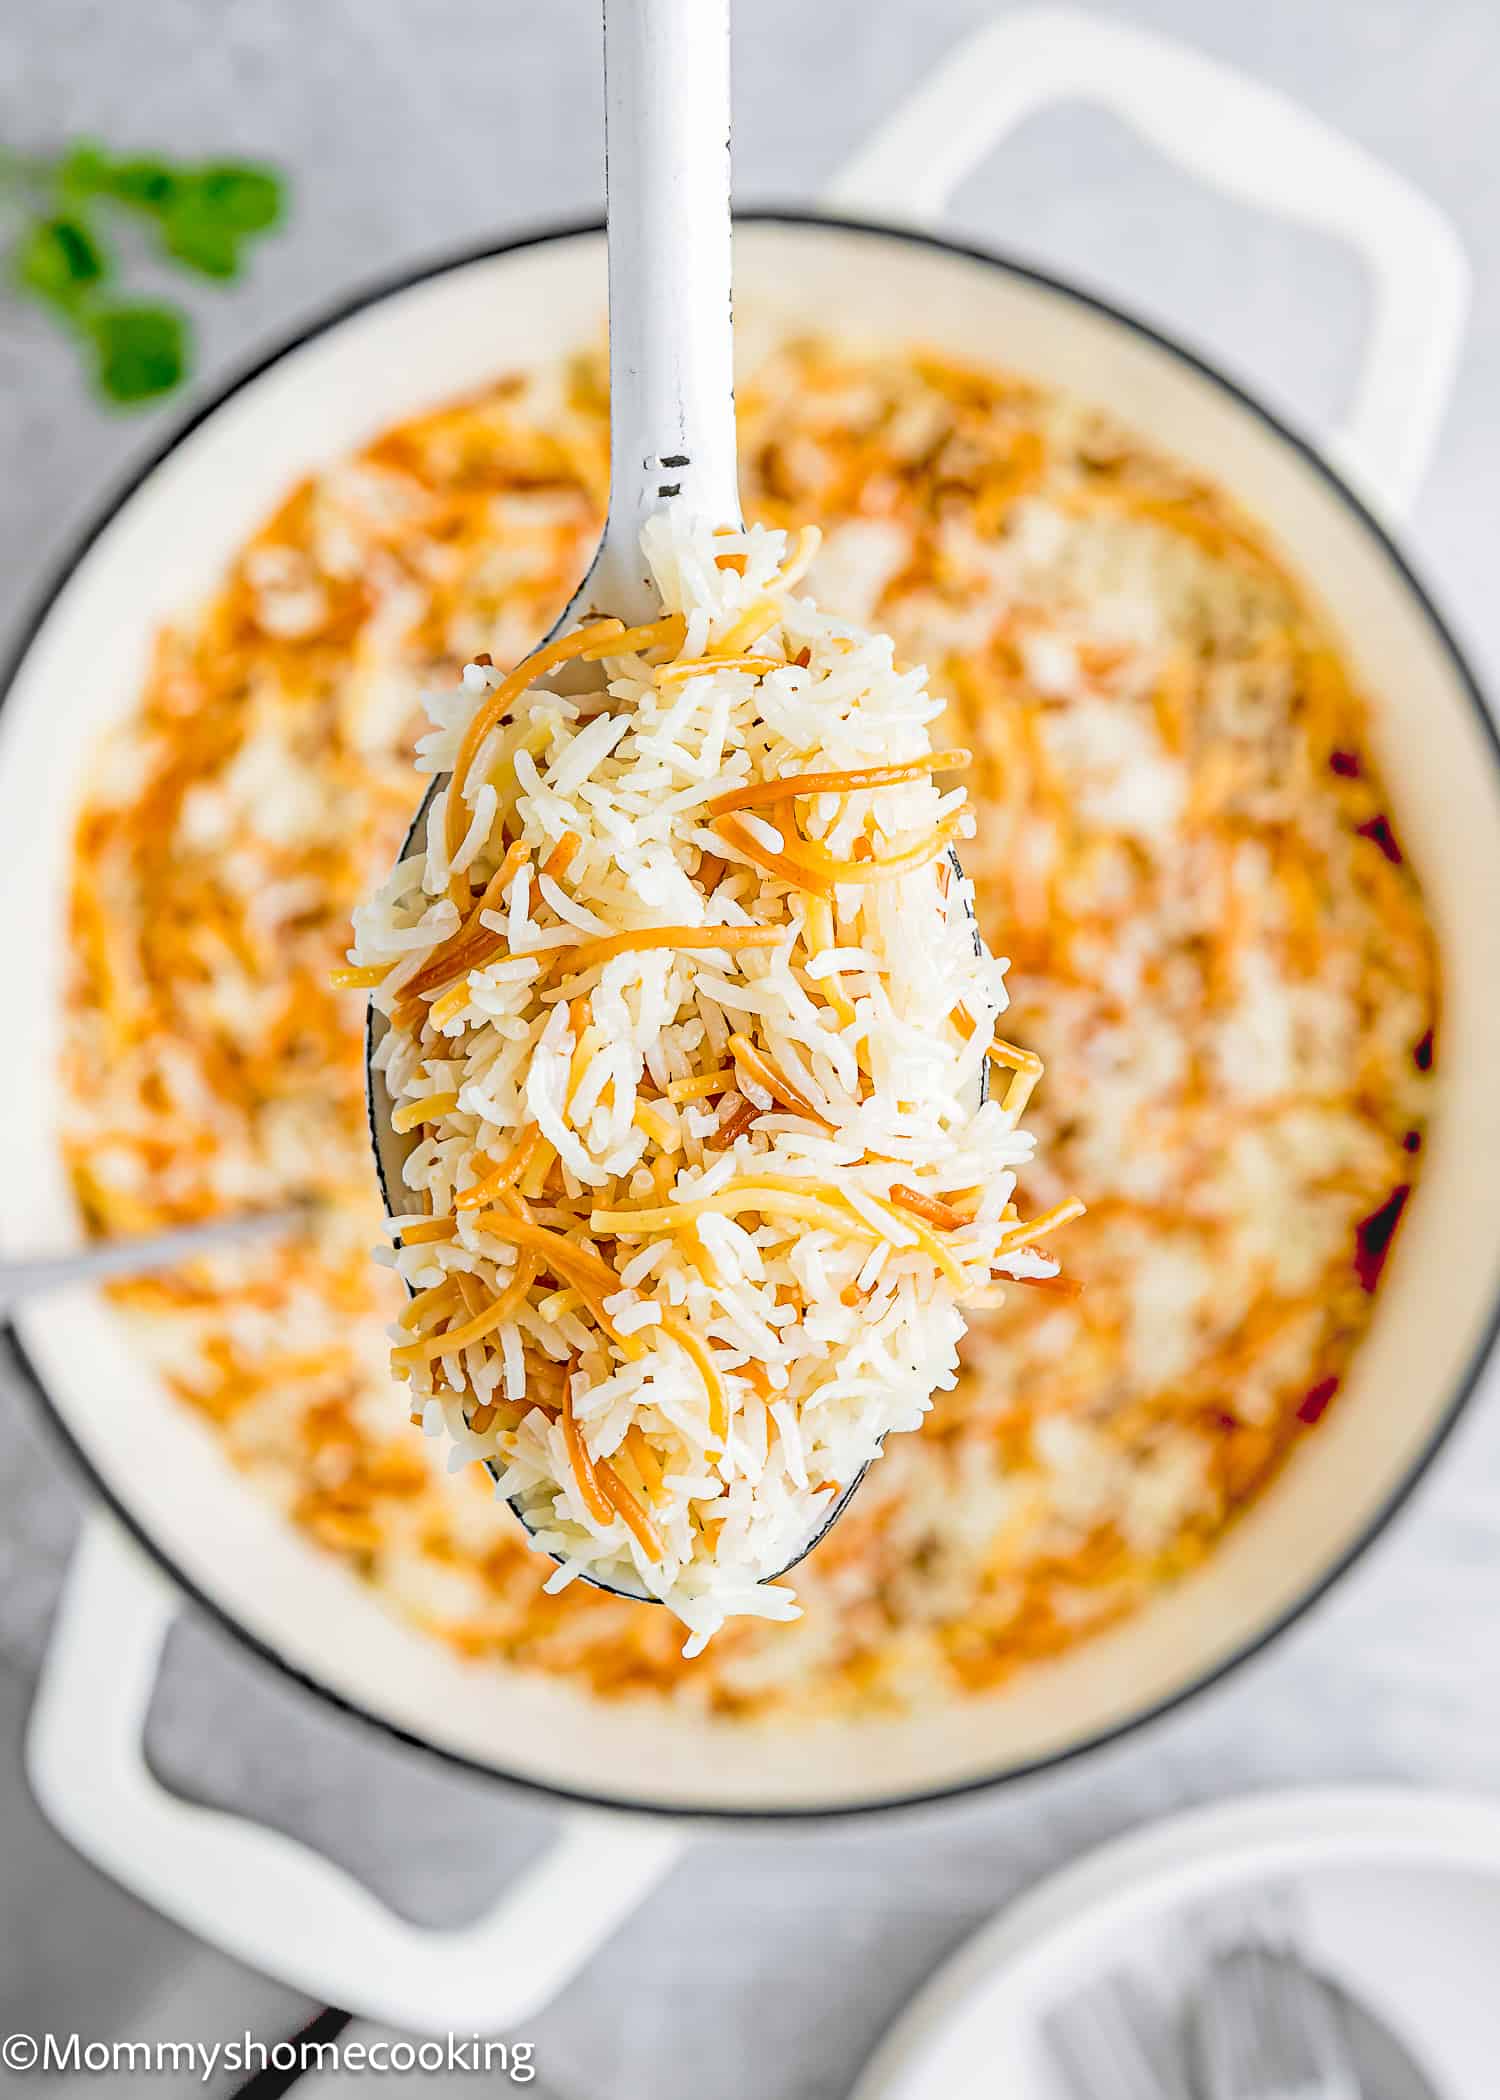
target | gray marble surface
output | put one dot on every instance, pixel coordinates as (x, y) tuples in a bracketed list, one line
[(766, 1966)]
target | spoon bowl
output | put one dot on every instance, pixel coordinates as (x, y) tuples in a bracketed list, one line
[(391, 1150)]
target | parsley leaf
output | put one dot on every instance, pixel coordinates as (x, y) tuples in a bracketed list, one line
[(151, 185), (59, 259), (195, 237), (84, 170), (241, 196), (140, 352), (205, 214), (214, 209)]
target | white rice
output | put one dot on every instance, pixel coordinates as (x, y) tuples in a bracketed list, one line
[(828, 1318)]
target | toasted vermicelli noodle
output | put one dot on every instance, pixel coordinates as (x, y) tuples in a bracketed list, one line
[(689, 1024)]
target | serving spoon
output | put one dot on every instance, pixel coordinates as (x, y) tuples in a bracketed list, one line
[(671, 389), (31, 1276)]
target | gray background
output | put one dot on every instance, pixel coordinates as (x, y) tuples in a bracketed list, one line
[(764, 1966)]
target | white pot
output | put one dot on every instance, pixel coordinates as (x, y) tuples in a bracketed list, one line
[(394, 352)]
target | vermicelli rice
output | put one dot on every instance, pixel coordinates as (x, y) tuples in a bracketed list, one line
[(688, 1022)]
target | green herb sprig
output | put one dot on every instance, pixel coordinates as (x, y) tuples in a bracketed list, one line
[(203, 216)]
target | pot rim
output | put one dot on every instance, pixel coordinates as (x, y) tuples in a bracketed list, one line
[(374, 294)]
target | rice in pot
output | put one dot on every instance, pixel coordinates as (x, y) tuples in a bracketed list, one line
[(1181, 843)]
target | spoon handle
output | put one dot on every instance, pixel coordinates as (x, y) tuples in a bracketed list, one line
[(671, 353), (30, 1276)]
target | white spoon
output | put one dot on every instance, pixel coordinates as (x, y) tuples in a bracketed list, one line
[(671, 334), (671, 372)]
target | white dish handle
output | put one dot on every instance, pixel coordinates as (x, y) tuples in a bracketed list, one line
[(267, 1899), (1245, 139)]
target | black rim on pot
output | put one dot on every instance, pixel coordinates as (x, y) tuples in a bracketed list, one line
[(373, 295)]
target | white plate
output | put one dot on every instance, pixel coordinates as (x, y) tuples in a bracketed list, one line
[(1401, 1891)]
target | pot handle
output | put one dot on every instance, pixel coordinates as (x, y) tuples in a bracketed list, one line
[(262, 1896), (1235, 134)]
